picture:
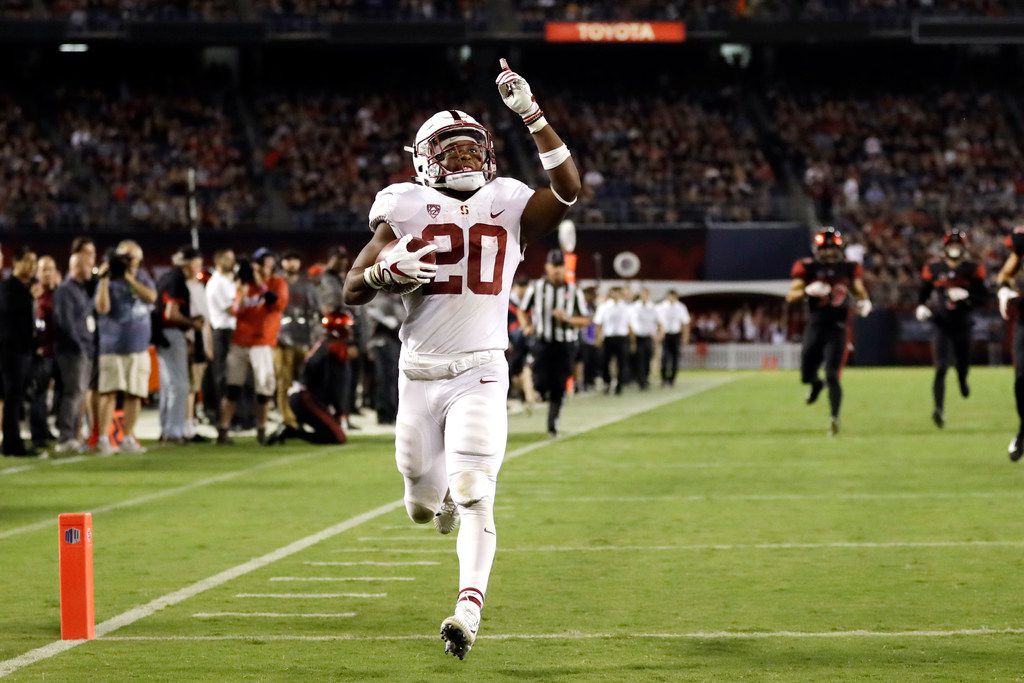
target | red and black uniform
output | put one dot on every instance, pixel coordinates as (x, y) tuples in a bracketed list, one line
[(952, 319), (825, 337), (1015, 243)]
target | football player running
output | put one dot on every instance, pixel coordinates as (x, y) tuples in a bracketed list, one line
[(1007, 293), (828, 281), (452, 426), (955, 285)]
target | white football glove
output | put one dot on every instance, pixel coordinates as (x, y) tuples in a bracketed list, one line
[(957, 294), (518, 97), (864, 308), (923, 313), (1005, 295), (402, 266), (818, 288)]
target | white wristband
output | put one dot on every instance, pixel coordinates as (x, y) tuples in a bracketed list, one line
[(559, 197), (537, 126), (554, 158), (371, 276)]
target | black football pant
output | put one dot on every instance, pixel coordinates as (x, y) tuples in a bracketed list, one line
[(644, 351), (670, 358), (617, 348), (950, 346), (552, 368), (15, 368), (310, 412), (43, 370), (1018, 367), (825, 343)]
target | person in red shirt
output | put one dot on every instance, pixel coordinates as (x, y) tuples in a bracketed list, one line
[(259, 302)]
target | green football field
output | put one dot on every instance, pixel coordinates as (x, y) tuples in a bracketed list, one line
[(711, 532)]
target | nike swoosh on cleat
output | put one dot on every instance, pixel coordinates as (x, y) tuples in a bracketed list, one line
[(488, 531), (487, 381), (495, 215)]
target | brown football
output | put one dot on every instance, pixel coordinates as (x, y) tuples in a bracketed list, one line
[(415, 244)]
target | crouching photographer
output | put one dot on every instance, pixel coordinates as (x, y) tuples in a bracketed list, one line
[(124, 301), (318, 399)]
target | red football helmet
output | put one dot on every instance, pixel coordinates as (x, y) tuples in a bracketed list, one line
[(339, 325), (829, 244), (954, 244)]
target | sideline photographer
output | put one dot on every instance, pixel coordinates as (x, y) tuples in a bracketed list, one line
[(124, 302)]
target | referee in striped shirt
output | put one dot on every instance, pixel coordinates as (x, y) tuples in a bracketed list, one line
[(554, 310)]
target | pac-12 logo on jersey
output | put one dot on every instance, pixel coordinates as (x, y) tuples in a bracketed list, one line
[(433, 210)]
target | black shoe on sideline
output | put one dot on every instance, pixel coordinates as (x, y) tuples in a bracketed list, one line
[(1017, 448), (938, 419), (815, 391), (965, 389)]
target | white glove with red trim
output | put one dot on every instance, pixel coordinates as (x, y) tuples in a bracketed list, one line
[(401, 266), (518, 97)]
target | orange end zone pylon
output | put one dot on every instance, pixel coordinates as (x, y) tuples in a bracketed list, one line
[(77, 609)]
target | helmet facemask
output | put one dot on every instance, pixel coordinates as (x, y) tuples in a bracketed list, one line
[(954, 245), (828, 246), (428, 157)]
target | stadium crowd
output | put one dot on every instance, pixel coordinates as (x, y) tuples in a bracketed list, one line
[(895, 171)]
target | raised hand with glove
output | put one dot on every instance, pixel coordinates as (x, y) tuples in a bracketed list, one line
[(516, 94), (401, 266), (864, 307)]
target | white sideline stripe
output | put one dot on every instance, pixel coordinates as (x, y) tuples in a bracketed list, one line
[(625, 635), (371, 563), (313, 596), (897, 495), (165, 493), (56, 647), (67, 461), (720, 546), (15, 470), (274, 615), (343, 578), (434, 536)]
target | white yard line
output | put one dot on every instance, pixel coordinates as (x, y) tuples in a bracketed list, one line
[(15, 470), (577, 635), (56, 647), (717, 546), (312, 596), (698, 498), (273, 615), (157, 495), (363, 579), (420, 537), (372, 563)]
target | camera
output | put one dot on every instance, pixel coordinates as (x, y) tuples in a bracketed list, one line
[(244, 271), (117, 265)]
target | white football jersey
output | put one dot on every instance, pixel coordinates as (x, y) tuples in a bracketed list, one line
[(479, 247)]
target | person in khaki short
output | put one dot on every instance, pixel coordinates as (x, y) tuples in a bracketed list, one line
[(259, 302), (124, 301)]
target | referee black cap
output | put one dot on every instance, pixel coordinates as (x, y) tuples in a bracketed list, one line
[(556, 257)]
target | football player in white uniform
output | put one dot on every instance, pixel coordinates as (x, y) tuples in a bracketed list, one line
[(452, 426)]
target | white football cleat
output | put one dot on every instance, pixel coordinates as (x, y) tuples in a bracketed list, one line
[(446, 519), (459, 630)]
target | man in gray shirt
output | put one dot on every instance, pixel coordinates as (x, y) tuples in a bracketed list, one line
[(75, 345), (300, 318)]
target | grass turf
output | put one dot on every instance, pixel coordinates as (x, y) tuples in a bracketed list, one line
[(678, 521)]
